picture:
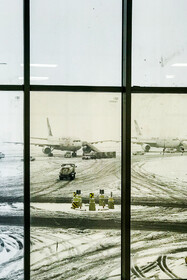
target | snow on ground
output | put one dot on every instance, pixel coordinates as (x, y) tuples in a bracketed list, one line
[(11, 209), (11, 171), (158, 255), (11, 252), (169, 167), (91, 176), (153, 258), (11, 189), (75, 254), (65, 208), (157, 213), (149, 181)]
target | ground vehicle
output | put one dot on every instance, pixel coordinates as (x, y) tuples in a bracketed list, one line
[(67, 155), (67, 171), (91, 155), (138, 153), (2, 155), (32, 158), (99, 155)]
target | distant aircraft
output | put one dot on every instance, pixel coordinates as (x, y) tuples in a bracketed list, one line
[(63, 144), (165, 143)]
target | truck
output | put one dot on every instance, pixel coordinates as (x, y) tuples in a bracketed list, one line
[(67, 171)]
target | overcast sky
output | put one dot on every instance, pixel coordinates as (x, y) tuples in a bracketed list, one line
[(11, 116), (11, 47), (82, 40), (160, 115), (159, 42), (92, 116), (79, 42), (88, 116)]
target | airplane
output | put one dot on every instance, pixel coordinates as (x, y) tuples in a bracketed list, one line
[(165, 143), (63, 144)]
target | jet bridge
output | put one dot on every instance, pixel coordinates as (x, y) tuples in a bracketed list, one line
[(88, 147), (97, 154)]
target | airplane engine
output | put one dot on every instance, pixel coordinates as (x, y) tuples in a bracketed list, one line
[(181, 147), (146, 147), (184, 144), (46, 150)]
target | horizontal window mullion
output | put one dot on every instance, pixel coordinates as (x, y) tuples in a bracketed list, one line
[(75, 88), (163, 90), (11, 88)]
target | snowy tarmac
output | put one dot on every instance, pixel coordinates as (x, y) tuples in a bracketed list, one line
[(158, 216), (82, 249), (159, 199)]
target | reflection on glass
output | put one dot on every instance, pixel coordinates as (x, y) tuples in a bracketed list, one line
[(159, 43), (75, 185), (11, 47), (158, 208), (11, 185), (76, 42)]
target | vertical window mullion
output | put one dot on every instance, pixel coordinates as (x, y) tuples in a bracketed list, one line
[(126, 136), (26, 23)]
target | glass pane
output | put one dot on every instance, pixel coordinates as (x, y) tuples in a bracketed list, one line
[(11, 185), (76, 42), (75, 185), (159, 43), (158, 207), (11, 47)]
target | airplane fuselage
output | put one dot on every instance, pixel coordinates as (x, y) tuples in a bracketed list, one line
[(168, 143), (64, 144), (165, 143), (159, 143)]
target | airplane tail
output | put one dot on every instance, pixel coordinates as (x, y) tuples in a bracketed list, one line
[(138, 131), (49, 128)]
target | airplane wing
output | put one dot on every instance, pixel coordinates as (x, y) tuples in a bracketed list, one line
[(39, 138), (34, 143), (104, 141), (39, 144), (16, 142), (8, 142), (150, 142)]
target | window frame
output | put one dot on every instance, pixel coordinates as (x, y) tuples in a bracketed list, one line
[(126, 90)]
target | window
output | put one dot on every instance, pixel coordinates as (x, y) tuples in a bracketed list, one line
[(75, 42), (11, 184), (76, 193), (11, 49)]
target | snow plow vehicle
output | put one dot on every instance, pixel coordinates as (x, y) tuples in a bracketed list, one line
[(67, 171)]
